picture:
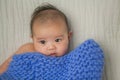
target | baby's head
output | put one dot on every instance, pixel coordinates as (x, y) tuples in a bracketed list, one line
[(50, 31)]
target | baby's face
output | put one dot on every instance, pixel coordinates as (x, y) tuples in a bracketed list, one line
[(51, 38)]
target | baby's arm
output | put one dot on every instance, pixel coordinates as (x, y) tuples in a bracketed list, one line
[(24, 48), (4, 65)]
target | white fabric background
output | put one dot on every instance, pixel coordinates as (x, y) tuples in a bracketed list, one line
[(97, 19)]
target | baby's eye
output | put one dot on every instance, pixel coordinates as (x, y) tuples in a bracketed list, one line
[(43, 42), (58, 40)]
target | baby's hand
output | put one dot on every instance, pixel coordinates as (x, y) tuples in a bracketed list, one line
[(25, 48)]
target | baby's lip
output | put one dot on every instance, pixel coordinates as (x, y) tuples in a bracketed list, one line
[(53, 54)]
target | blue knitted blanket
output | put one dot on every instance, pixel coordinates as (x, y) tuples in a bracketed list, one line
[(83, 63)]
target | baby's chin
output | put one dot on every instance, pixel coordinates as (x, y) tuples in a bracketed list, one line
[(54, 54), (57, 55)]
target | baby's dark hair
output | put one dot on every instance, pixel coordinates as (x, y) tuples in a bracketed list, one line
[(39, 13)]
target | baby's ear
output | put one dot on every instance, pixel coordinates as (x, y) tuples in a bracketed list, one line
[(70, 35), (31, 36)]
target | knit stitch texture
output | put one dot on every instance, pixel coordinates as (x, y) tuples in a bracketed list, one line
[(83, 63)]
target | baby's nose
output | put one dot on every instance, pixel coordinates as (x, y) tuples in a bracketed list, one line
[(51, 47)]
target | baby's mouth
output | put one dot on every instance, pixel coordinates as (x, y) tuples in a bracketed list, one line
[(53, 54)]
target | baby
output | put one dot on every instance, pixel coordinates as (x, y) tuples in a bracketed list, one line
[(50, 33)]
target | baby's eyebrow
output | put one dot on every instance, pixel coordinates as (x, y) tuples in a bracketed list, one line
[(40, 38), (60, 36)]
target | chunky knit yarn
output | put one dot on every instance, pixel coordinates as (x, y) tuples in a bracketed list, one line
[(83, 63)]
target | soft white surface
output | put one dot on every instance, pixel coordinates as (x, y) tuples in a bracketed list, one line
[(97, 19)]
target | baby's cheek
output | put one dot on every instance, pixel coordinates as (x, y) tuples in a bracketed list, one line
[(40, 49), (63, 47), (37, 47), (43, 50)]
